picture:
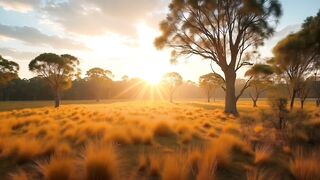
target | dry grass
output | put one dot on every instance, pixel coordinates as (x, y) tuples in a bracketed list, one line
[(175, 168), (163, 129), (151, 139), (262, 154), (101, 162), (305, 166), (58, 168), (154, 170), (19, 175)]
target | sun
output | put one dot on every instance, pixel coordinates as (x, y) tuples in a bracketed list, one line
[(152, 79), (151, 76)]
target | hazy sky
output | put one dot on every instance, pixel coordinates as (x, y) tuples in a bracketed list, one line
[(112, 34)]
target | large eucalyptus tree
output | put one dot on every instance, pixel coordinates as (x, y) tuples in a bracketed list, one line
[(221, 31), (58, 70)]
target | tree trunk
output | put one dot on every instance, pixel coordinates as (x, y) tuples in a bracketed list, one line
[(254, 103), (230, 98), (292, 99), (171, 94), (208, 96), (301, 104), (57, 99)]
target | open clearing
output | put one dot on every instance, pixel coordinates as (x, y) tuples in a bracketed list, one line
[(157, 140)]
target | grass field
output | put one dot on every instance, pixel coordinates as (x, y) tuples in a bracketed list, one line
[(149, 140)]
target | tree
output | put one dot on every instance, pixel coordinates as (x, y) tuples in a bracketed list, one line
[(260, 82), (57, 70), (305, 86), (295, 57), (98, 78), (171, 81), (210, 82), (8, 72), (221, 31)]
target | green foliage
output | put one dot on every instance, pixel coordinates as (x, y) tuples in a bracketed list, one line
[(8, 71), (57, 70), (260, 70), (211, 80), (98, 78), (220, 31)]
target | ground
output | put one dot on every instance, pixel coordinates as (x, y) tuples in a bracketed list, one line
[(149, 140)]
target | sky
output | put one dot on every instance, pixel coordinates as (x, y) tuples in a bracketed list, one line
[(114, 35)]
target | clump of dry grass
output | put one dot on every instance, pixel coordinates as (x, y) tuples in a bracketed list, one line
[(143, 163), (21, 149), (262, 154), (258, 129), (19, 175), (258, 174), (163, 129), (231, 128), (193, 159), (154, 169), (58, 168), (118, 137), (101, 162), (139, 136), (208, 167), (305, 167), (174, 168)]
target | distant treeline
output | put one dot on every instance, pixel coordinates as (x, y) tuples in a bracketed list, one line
[(37, 88)]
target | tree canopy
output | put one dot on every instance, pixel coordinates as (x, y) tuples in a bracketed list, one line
[(98, 78), (57, 70), (221, 31), (171, 81), (297, 56), (8, 71)]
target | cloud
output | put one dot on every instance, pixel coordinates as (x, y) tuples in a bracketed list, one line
[(96, 17), (22, 6), (33, 36), (17, 55)]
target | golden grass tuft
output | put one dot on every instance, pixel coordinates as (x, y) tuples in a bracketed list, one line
[(58, 168), (21, 149), (174, 168), (259, 174), (231, 128), (101, 162), (143, 163), (258, 129), (19, 175), (305, 167), (154, 169), (118, 137), (262, 154), (163, 129)]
